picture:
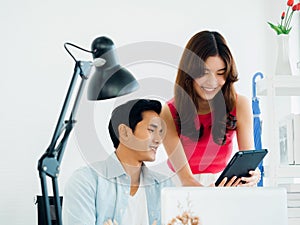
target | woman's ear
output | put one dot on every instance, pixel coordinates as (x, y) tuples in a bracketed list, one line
[(124, 132)]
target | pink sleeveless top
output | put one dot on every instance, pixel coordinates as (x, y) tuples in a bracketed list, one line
[(204, 155)]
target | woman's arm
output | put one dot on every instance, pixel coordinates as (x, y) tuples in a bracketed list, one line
[(245, 135), (244, 132), (175, 150)]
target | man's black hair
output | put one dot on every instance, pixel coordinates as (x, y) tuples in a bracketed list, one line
[(130, 114)]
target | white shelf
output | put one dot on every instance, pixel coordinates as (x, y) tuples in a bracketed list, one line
[(291, 171), (273, 87), (282, 85), (288, 171), (294, 221)]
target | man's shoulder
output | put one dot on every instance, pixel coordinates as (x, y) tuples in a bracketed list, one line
[(91, 170), (83, 172), (158, 177)]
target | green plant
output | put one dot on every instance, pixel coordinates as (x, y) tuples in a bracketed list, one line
[(284, 27)]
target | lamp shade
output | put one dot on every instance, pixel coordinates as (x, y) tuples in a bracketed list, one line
[(109, 79)]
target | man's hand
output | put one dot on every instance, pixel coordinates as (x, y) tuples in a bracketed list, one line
[(110, 222)]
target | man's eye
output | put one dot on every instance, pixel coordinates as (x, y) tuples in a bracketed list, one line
[(150, 130), (161, 132)]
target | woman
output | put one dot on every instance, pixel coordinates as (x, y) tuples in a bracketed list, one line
[(206, 113)]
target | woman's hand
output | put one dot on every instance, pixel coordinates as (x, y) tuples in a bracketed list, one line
[(251, 181), (233, 182)]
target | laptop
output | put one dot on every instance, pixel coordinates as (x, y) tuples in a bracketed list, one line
[(224, 206)]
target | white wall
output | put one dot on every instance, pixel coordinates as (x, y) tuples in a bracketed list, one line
[(36, 69)]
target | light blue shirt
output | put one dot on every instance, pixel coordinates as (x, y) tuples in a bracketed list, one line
[(100, 192)]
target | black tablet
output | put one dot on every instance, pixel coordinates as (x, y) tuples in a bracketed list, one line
[(241, 163)]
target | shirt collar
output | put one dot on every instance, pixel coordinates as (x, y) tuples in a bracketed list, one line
[(114, 169)]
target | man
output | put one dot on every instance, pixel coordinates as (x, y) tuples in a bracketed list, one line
[(121, 188)]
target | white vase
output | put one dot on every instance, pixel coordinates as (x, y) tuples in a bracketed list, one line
[(283, 65)]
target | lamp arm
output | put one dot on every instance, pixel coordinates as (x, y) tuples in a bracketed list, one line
[(49, 163)]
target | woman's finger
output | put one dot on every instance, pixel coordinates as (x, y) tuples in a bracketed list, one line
[(223, 182), (236, 182)]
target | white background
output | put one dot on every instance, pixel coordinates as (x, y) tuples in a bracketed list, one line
[(36, 70)]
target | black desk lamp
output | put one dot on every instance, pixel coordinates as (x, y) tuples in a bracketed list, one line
[(110, 80)]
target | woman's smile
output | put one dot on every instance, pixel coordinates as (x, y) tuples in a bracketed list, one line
[(209, 89)]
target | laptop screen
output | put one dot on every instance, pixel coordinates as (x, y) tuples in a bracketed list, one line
[(224, 206)]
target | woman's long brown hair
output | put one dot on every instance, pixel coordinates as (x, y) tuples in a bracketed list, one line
[(201, 46)]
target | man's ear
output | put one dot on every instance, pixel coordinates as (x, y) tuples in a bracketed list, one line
[(124, 132)]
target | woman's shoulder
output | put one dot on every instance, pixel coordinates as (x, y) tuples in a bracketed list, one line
[(168, 110), (242, 100), (169, 116), (243, 104)]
